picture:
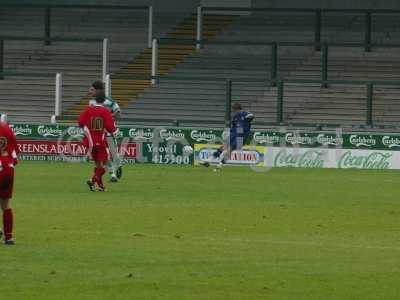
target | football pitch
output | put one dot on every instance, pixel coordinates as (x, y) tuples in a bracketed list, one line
[(169, 232)]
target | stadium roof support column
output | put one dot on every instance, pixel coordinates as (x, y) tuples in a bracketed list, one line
[(279, 103), (324, 66), (368, 30), (105, 59), (108, 85), (317, 30), (1, 59), (47, 25), (199, 31), (370, 95), (150, 29), (228, 103), (58, 98), (274, 63), (154, 62), (3, 118)]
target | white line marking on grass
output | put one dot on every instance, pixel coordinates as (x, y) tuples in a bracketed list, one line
[(239, 240)]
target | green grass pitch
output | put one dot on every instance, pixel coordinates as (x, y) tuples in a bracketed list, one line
[(168, 232)]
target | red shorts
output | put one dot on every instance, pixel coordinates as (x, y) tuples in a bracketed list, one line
[(6, 182), (100, 154)]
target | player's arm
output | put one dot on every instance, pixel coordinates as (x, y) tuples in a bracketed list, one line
[(12, 140), (116, 111), (249, 116), (109, 123)]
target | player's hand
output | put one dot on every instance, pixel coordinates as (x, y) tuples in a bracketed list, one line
[(115, 133), (117, 115)]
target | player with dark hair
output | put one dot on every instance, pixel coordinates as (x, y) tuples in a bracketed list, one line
[(114, 165), (8, 160), (97, 121), (238, 134)]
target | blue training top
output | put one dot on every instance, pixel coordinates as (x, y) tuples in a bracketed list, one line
[(241, 123)]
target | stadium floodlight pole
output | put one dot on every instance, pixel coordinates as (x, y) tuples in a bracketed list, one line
[(154, 62), (58, 99), (105, 58), (199, 31), (150, 29), (108, 85)]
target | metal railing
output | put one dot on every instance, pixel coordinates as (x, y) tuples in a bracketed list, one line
[(228, 84), (368, 100), (105, 52), (274, 52), (280, 87), (47, 12)]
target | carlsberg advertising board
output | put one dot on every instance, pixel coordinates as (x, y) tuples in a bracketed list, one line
[(268, 138), (163, 145)]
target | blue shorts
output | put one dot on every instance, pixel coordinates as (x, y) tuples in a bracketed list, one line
[(236, 141)]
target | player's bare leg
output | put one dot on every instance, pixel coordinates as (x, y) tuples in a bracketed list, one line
[(8, 220), (97, 178), (114, 166), (99, 172), (221, 156)]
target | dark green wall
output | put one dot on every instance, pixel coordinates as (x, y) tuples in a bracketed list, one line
[(161, 5), (340, 4)]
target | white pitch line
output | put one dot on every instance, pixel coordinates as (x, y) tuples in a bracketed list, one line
[(242, 241)]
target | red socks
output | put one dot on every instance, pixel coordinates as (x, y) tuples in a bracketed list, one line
[(98, 176), (8, 220)]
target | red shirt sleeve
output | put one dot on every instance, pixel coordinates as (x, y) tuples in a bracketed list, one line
[(12, 141), (11, 146), (83, 118)]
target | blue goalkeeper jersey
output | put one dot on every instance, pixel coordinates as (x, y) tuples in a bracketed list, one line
[(241, 123)]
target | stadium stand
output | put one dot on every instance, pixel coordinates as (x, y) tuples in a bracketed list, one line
[(202, 98), (31, 97), (344, 104), (126, 89), (190, 101)]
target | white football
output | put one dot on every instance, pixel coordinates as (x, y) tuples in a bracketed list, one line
[(187, 150)]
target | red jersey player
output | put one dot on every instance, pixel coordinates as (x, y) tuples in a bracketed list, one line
[(8, 159), (97, 121)]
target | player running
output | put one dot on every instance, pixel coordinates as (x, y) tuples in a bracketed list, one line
[(97, 121), (238, 135), (8, 160), (114, 165)]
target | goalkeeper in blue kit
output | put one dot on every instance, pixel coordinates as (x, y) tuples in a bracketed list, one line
[(239, 135), (114, 165)]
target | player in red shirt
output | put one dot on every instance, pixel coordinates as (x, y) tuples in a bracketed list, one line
[(8, 160), (97, 121)]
